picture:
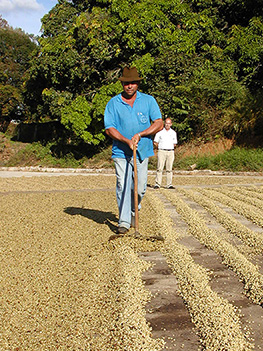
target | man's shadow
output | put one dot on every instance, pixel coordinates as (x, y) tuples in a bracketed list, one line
[(97, 216)]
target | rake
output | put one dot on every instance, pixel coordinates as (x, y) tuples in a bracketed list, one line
[(137, 234)]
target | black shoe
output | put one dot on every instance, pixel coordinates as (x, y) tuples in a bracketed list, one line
[(156, 187), (171, 187), (122, 230)]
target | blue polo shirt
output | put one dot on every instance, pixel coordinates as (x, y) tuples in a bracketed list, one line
[(131, 120)]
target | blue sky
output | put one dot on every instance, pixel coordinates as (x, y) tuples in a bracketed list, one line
[(25, 14)]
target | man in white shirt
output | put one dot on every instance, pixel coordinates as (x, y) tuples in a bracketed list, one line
[(166, 141)]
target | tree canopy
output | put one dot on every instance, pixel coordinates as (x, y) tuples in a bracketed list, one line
[(201, 60), (15, 49)]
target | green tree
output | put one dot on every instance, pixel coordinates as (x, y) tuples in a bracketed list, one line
[(188, 51), (15, 53)]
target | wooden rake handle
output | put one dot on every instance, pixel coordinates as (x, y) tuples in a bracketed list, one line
[(135, 190)]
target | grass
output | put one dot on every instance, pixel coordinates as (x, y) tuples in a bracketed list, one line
[(218, 155), (236, 160), (36, 154)]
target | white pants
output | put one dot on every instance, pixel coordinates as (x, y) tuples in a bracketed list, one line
[(166, 158)]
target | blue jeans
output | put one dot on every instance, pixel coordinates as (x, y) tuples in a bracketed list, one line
[(125, 187)]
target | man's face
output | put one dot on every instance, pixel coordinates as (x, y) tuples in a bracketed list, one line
[(167, 124), (130, 88)]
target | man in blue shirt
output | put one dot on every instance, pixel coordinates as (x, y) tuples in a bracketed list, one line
[(131, 118)]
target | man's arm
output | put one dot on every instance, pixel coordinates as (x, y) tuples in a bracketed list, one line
[(155, 127), (116, 135)]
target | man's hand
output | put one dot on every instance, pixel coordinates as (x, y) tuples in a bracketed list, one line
[(116, 135), (130, 143), (136, 138), (134, 141)]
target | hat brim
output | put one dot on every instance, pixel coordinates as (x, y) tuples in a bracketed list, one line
[(127, 79)]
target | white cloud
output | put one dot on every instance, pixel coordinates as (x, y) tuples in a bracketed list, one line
[(19, 5), (25, 14)]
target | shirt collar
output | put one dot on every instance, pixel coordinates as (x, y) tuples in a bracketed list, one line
[(138, 96)]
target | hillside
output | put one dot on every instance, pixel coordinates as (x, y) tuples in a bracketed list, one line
[(219, 155)]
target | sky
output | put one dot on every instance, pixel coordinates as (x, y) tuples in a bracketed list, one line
[(25, 14)]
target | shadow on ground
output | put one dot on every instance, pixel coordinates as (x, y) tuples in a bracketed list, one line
[(100, 217)]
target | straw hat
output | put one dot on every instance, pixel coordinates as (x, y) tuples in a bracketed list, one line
[(130, 75)]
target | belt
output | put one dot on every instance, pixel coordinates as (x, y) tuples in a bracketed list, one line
[(167, 149)]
